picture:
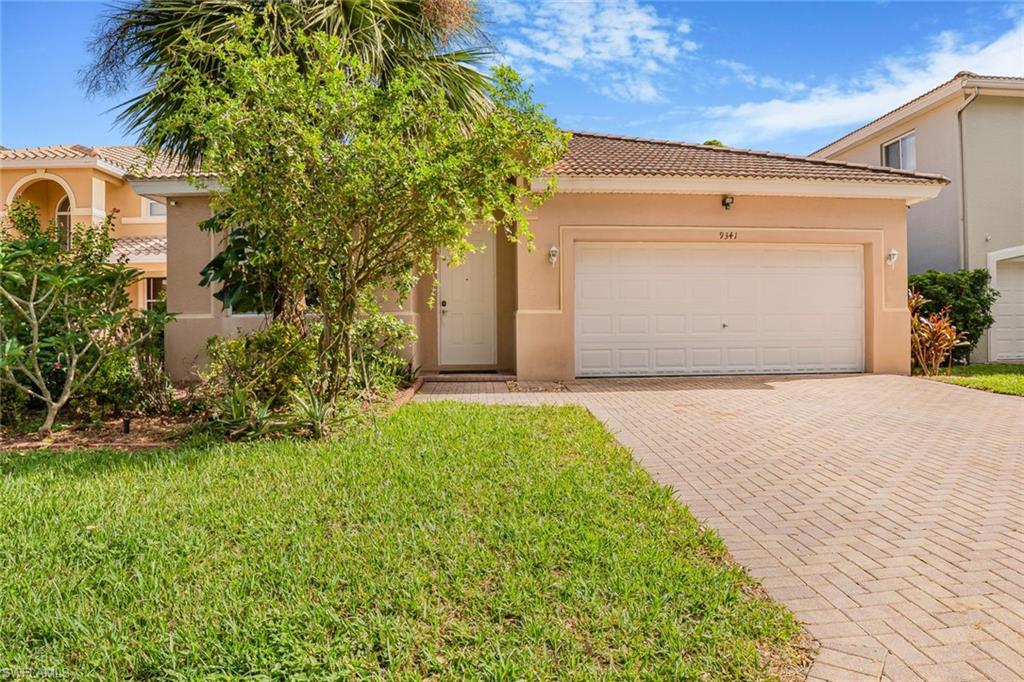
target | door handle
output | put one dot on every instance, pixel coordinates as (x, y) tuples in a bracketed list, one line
[(444, 307), (724, 325)]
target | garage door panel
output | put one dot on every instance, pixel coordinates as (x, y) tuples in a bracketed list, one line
[(589, 325), (669, 359), (784, 309), (706, 358), (632, 324), (1008, 311), (669, 324)]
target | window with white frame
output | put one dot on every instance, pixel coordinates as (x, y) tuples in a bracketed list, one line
[(901, 152), (63, 221), (154, 209), (155, 292)]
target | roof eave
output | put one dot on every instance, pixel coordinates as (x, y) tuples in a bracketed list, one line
[(909, 192), (54, 163), (914, 108), (923, 104), (171, 187)]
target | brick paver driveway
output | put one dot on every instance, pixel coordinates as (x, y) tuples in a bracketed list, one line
[(887, 512)]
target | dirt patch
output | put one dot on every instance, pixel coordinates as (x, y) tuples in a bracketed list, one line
[(145, 433), (536, 387)]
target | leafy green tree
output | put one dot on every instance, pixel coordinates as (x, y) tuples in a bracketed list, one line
[(140, 40), (63, 312), (349, 185), (714, 143), (968, 297)]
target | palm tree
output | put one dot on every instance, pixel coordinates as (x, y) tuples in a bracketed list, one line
[(440, 38)]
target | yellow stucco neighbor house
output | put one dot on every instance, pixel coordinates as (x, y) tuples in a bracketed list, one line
[(653, 258), (971, 130), (72, 184)]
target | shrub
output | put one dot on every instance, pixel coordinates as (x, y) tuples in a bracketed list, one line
[(933, 337), (965, 295), (269, 363), (378, 339), (64, 310), (111, 391)]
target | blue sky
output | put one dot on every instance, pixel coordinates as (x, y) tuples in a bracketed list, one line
[(785, 77)]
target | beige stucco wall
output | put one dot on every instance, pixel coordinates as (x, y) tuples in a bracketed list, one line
[(933, 227), (93, 193), (993, 129), (535, 299), (545, 317), (199, 314)]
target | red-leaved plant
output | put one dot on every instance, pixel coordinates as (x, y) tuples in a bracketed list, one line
[(932, 337)]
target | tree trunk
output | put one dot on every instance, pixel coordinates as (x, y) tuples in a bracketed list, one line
[(51, 416)]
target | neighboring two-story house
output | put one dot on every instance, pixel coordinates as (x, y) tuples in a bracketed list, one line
[(971, 130), (71, 184)]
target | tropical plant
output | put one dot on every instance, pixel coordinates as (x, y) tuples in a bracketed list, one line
[(63, 311), (350, 186), (933, 337), (270, 363), (378, 340), (140, 40), (968, 298)]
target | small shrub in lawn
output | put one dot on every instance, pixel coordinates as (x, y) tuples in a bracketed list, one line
[(967, 298)]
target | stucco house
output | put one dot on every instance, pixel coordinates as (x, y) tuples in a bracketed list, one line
[(653, 258), (71, 184), (971, 130)]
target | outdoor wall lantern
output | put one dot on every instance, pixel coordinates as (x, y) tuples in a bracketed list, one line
[(552, 254), (727, 201), (891, 258)]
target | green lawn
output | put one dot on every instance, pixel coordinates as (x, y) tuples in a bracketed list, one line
[(459, 541), (997, 378)]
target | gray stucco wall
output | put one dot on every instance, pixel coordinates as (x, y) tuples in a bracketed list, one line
[(933, 226), (994, 181)]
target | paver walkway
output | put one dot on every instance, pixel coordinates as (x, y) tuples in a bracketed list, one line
[(887, 512)]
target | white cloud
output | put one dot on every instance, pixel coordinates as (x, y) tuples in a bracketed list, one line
[(746, 75), (615, 45), (684, 26), (895, 80)]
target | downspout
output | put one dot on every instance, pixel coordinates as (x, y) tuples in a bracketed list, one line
[(963, 177)]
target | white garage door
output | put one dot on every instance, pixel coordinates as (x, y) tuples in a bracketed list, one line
[(1008, 330), (718, 309)]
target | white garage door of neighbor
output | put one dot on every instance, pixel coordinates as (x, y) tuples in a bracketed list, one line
[(669, 309), (1008, 311)]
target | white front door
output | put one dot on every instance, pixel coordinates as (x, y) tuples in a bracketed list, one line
[(718, 309), (1008, 311), (466, 306)]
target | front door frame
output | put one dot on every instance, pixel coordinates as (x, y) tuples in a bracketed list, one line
[(489, 252)]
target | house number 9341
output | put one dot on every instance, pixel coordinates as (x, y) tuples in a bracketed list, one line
[(728, 235)]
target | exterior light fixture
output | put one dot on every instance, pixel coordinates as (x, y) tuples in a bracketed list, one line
[(553, 254), (891, 258), (727, 201)]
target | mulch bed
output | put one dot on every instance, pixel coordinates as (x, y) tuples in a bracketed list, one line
[(146, 433)]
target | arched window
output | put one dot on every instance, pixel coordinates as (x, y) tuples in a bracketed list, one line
[(63, 220)]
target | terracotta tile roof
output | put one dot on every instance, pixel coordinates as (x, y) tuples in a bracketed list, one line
[(962, 75), (59, 151), (139, 247), (129, 159), (592, 154)]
